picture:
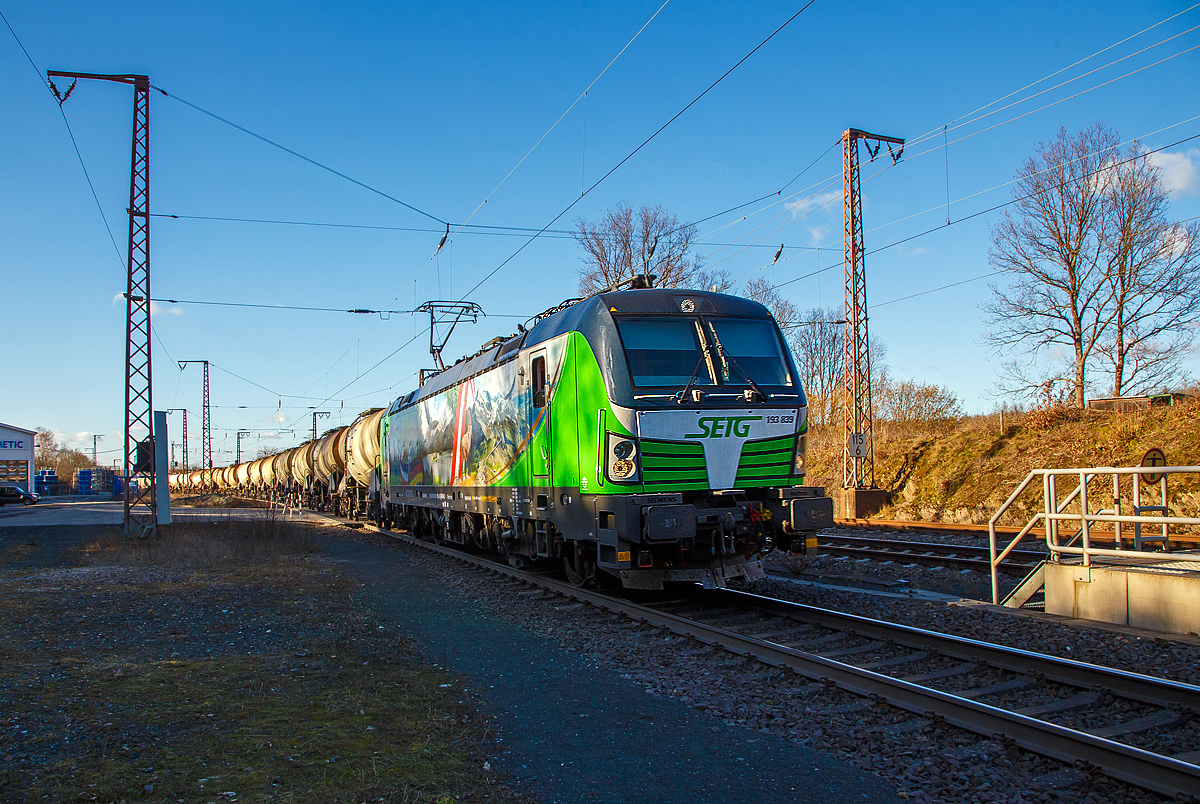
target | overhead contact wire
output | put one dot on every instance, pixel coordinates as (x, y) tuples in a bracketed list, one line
[(636, 150)]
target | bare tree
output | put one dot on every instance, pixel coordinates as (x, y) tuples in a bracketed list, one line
[(626, 242), (1153, 271), (1052, 250), (45, 445), (816, 340), (909, 402), (763, 292)]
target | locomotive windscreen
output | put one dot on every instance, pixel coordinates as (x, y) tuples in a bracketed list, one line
[(753, 344), (664, 351)]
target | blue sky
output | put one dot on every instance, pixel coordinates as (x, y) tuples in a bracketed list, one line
[(435, 103)]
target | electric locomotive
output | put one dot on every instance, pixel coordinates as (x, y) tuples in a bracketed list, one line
[(640, 437)]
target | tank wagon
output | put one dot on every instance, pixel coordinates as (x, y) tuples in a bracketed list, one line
[(640, 437)]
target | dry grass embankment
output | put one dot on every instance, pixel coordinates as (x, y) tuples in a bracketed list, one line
[(963, 471), (218, 663)]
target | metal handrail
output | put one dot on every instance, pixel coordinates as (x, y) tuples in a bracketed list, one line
[(1053, 512)]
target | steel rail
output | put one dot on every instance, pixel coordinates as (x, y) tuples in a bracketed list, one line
[(941, 548), (1123, 683), (1138, 767), (928, 554)]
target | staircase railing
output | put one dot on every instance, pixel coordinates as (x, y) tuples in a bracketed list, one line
[(1054, 512)]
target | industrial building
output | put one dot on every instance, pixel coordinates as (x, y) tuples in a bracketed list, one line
[(16, 455)]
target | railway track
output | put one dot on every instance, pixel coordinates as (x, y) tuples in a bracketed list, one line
[(1019, 562), (991, 690)]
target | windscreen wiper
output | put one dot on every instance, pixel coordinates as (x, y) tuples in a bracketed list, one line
[(729, 361), (682, 396)]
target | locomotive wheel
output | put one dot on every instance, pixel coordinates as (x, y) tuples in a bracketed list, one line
[(580, 571), (472, 533), (437, 530)]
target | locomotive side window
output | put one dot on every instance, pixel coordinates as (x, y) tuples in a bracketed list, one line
[(753, 344), (664, 351), (539, 382)]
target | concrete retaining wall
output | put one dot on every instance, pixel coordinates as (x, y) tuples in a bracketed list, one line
[(1165, 600)]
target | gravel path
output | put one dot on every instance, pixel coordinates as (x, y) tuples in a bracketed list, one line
[(924, 760), (579, 717)]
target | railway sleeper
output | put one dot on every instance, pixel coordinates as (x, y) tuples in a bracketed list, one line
[(1080, 700), (963, 669), (895, 661), (1018, 683), (1162, 719)]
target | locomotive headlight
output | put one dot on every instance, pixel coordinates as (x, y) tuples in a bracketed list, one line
[(621, 462), (801, 449), (622, 469)]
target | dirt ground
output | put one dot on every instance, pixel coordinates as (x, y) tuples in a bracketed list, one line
[(219, 663)]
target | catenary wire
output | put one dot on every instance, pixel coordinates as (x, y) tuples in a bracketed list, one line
[(507, 231), (449, 237), (311, 309), (939, 227), (636, 150), (939, 129), (934, 131), (981, 276), (46, 83), (601, 179), (299, 155)]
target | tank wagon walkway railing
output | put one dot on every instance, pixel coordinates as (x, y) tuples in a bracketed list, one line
[(1074, 523)]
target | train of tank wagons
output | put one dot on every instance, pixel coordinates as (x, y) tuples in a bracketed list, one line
[(638, 437)]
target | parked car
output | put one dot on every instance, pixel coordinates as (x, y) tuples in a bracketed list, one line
[(11, 495)]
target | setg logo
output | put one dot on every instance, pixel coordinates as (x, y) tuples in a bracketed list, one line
[(723, 426)]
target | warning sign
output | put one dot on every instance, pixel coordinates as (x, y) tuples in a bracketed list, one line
[(1153, 457)]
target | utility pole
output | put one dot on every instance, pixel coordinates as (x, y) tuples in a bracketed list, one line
[(317, 413), (174, 463), (95, 438), (205, 420), (858, 464), (240, 433), (141, 498), (186, 466)]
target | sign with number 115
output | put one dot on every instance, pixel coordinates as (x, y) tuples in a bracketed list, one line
[(858, 445)]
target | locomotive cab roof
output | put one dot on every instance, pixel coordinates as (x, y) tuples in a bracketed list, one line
[(594, 318)]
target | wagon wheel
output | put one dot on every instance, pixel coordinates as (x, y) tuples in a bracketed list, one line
[(580, 571), (437, 529)]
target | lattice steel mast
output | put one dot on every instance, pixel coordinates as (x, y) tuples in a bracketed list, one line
[(858, 454), (141, 499), (205, 420), (187, 467)]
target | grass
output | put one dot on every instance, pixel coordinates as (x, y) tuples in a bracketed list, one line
[(220, 663), (259, 542), (964, 471)]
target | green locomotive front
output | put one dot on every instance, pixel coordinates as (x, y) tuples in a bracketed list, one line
[(647, 436)]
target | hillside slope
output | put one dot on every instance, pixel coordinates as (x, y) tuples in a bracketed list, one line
[(964, 472)]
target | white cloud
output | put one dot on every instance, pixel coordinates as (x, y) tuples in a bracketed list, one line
[(155, 307), (165, 309), (812, 202), (1180, 171), (918, 251), (278, 416)]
